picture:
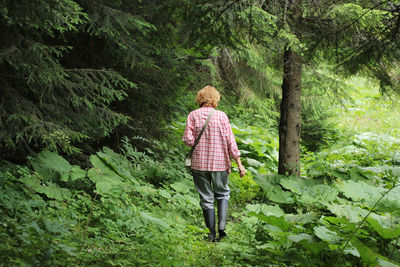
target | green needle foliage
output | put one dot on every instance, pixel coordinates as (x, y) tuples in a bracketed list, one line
[(66, 66), (47, 102)]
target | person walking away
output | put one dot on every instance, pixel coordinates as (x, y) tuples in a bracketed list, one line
[(211, 158)]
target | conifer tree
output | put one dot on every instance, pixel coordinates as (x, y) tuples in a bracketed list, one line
[(65, 67), (47, 100), (361, 36), (352, 37)]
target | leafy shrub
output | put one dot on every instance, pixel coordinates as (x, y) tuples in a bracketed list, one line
[(120, 219), (259, 148), (244, 189)]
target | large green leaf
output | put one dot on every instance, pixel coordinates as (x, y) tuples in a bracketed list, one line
[(265, 181), (107, 181), (384, 228), (76, 173), (297, 184), (50, 165), (369, 194), (368, 256), (304, 218), (146, 190), (371, 173), (31, 181), (192, 200), (300, 237), (382, 224), (180, 187), (353, 213), (293, 184), (164, 193), (276, 194), (253, 162), (310, 191), (339, 174), (360, 191), (51, 190), (267, 210), (356, 175), (318, 194), (391, 201), (54, 192), (115, 162), (327, 235), (273, 191), (278, 222), (386, 263)]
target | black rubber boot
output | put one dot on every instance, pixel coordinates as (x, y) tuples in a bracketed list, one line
[(209, 218), (222, 213)]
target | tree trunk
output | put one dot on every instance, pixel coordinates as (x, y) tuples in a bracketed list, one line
[(290, 124)]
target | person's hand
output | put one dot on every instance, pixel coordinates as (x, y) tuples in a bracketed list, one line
[(242, 171)]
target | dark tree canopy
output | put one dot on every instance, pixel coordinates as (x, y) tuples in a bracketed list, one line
[(65, 67)]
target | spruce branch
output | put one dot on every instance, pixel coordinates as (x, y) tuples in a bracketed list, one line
[(7, 51), (223, 11), (361, 16)]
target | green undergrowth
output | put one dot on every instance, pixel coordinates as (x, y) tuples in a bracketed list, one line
[(343, 211), (124, 210), (369, 111), (128, 209), (140, 208)]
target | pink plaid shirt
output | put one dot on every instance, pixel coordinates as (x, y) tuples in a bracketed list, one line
[(217, 145)]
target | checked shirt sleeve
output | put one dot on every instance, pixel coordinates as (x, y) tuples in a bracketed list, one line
[(189, 134), (231, 142)]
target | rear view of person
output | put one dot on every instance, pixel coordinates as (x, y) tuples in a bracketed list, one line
[(211, 158)]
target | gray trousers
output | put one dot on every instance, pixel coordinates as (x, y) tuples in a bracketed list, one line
[(211, 185)]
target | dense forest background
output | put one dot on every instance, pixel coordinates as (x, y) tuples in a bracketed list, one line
[(94, 99)]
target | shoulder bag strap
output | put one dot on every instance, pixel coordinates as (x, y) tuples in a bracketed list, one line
[(201, 132)]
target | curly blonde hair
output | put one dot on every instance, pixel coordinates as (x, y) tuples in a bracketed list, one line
[(208, 96)]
